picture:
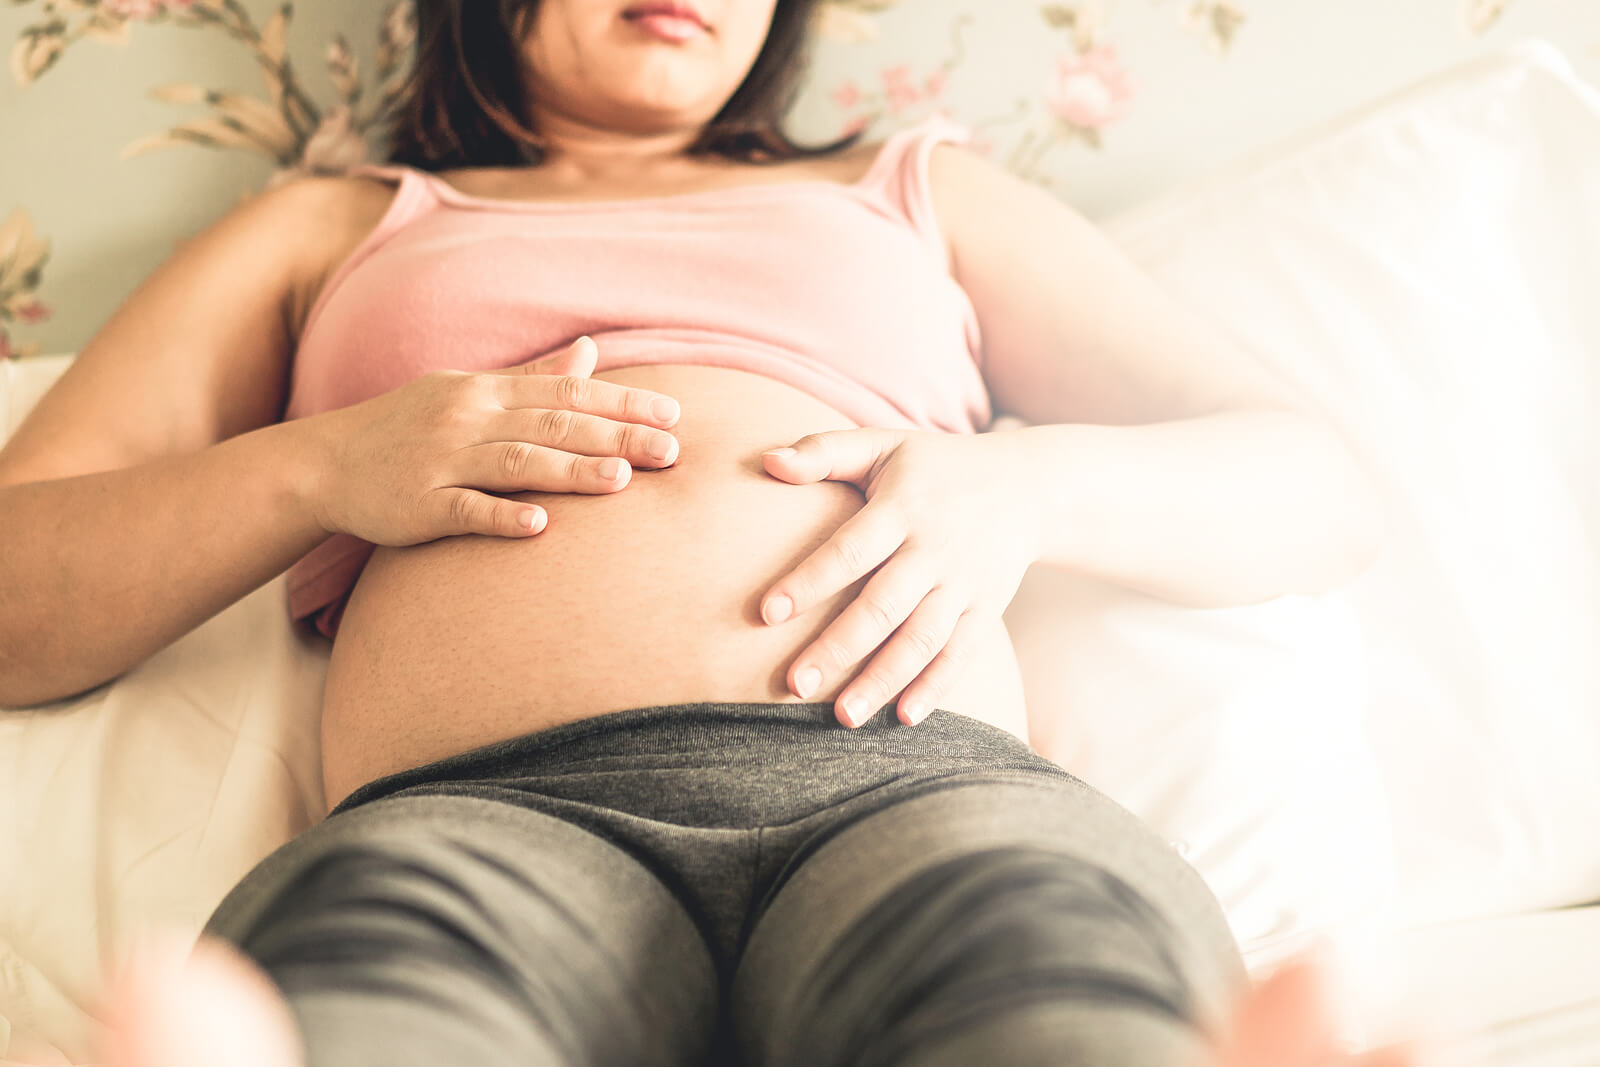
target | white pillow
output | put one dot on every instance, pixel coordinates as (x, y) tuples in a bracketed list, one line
[(1235, 733), (1425, 271)]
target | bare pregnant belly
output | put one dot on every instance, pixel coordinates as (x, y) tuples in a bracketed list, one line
[(647, 596)]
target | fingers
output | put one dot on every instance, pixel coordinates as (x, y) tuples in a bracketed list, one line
[(877, 612), (862, 542), (835, 455), (918, 662), (535, 385), (578, 359), (466, 511), (1284, 1019), (582, 357), (927, 689), (521, 466), (583, 435)]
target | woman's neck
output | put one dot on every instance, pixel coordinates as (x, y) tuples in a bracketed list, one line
[(580, 154)]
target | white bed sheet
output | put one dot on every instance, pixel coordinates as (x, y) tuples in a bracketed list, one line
[(1502, 991)]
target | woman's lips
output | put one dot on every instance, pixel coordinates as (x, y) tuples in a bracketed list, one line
[(668, 27)]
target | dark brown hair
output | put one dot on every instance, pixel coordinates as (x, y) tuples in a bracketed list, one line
[(465, 105)]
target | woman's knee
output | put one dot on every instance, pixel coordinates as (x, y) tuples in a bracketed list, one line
[(920, 928), (484, 928)]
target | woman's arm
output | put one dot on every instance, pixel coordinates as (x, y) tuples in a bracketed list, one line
[(126, 521), (153, 485), (101, 570), (1166, 460), (1218, 510)]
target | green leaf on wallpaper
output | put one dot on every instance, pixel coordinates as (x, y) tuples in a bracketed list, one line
[(1482, 14), (1059, 16), (244, 113), (397, 35), (178, 93), (1218, 21), (211, 132), (274, 80), (344, 70), (275, 33), (36, 50), (23, 254), (104, 27)]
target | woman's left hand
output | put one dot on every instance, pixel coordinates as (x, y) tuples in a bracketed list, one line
[(952, 521)]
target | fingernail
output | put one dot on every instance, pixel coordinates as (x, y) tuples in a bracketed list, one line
[(781, 453), (777, 609), (916, 711), (806, 682), (611, 469), (664, 408), (856, 711)]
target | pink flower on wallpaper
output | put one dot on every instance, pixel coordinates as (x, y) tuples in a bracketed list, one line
[(900, 94), (897, 88), (142, 9), (33, 312), (1092, 90), (5, 345)]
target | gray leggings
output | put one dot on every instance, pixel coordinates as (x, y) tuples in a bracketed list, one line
[(749, 884)]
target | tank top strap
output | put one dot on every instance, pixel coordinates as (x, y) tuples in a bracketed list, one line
[(394, 171), (415, 196), (899, 175)]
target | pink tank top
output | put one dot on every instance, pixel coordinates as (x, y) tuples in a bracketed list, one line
[(843, 291)]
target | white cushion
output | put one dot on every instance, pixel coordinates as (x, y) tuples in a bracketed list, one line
[(1235, 733), (1425, 273), (22, 383)]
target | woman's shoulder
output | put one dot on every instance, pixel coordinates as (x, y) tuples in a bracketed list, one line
[(330, 216), (322, 210), (853, 163), (905, 155)]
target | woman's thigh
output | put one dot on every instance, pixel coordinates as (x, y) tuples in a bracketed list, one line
[(456, 930), (1017, 920)]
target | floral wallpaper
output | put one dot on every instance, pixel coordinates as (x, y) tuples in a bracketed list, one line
[(1053, 90)]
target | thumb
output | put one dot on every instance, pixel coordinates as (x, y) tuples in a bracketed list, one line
[(576, 360), (836, 455)]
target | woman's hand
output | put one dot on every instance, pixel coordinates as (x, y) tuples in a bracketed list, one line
[(420, 462), (953, 522)]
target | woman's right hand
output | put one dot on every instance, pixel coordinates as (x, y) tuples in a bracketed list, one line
[(420, 462)]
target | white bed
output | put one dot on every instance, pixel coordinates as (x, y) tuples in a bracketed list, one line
[(1406, 767)]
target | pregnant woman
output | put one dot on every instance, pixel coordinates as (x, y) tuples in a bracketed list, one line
[(631, 456)]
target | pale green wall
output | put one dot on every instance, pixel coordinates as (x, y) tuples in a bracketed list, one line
[(1195, 106)]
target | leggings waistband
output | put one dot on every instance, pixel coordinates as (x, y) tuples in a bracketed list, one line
[(715, 763)]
